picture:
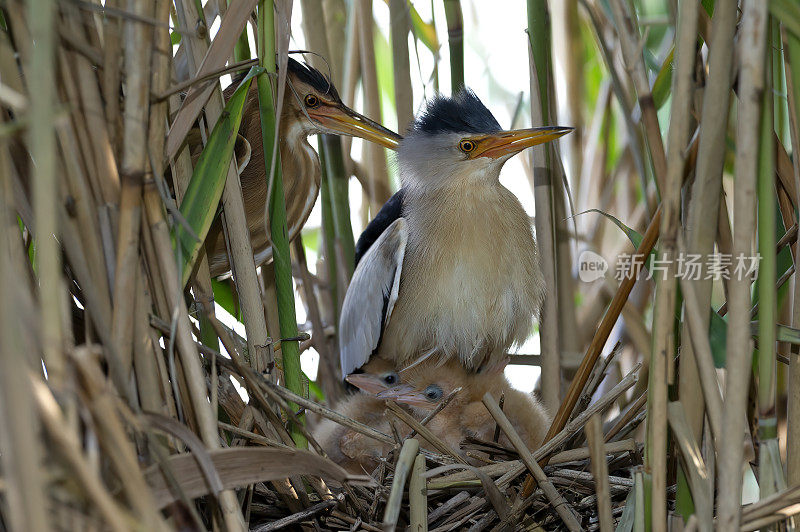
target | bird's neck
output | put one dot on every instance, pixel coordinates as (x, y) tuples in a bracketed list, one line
[(459, 202), (298, 160)]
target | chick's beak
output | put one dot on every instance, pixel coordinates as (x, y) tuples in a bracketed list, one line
[(504, 143), (406, 394), (344, 121), (367, 382)]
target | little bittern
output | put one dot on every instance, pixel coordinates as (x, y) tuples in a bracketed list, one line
[(452, 266), (311, 105)]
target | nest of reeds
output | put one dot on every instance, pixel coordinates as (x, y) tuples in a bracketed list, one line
[(585, 469)]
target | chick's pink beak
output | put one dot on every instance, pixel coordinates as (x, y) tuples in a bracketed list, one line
[(367, 382), (406, 394)]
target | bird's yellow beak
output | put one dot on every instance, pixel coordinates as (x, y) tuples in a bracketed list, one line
[(406, 394), (367, 382), (496, 145), (344, 121)]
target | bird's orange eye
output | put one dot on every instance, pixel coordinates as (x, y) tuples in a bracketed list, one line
[(311, 100), (466, 146)]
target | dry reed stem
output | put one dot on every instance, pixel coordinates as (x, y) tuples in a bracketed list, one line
[(207, 59), (114, 439), (559, 504), (632, 51), (406, 460), (19, 423), (400, 22), (544, 223), (629, 414), (240, 249), (501, 468), (252, 381), (418, 497), (425, 432), (751, 85), (594, 437), (793, 384), (42, 148), (68, 445), (600, 405), (373, 154), (193, 371), (663, 328), (329, 414), (703, 358), (133, 168), (703, 209)]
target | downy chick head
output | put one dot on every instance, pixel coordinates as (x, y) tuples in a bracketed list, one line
[(428, 383), (375, 376)]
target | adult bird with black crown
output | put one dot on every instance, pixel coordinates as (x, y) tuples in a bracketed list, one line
[(449, 266)]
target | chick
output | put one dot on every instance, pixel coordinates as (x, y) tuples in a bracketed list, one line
[(352, 450), (427, 384)]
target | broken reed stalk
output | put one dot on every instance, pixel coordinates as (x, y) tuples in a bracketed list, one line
[(700, 483), (553, 443), (134, 166), (455, 41), (739, 352), (664, 315), (556, 500), (402, 469), (328, 413), (276, 219), (594, 438)]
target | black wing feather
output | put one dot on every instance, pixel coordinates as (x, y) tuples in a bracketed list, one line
[(391, 211)]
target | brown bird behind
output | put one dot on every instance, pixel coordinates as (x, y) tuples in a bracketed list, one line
[(427, 384), (311, 105)]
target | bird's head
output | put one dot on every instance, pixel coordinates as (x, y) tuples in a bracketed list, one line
[(459, 139), (429, 383), (316, 105), (376, 376)]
